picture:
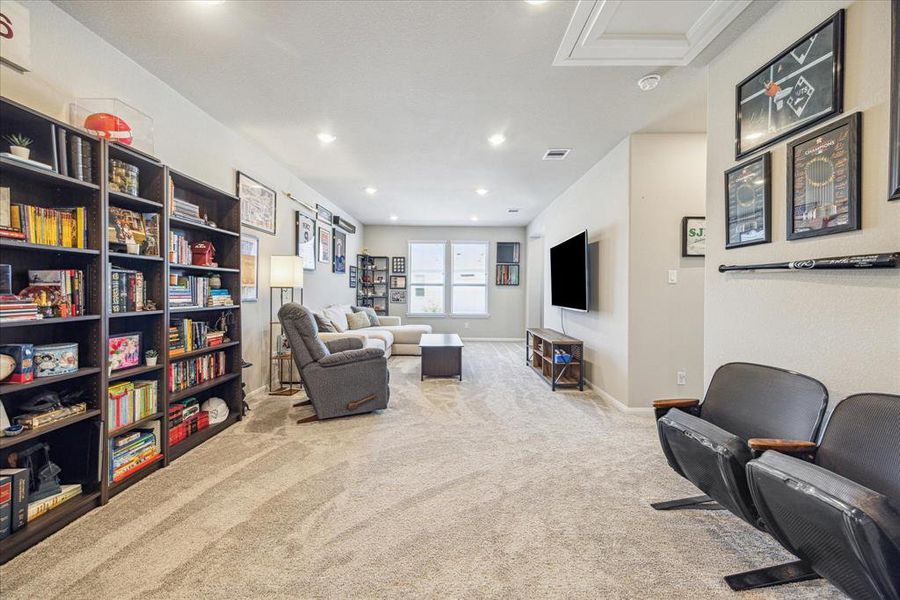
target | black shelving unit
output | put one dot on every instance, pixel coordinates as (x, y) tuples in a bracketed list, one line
[(372, 280)]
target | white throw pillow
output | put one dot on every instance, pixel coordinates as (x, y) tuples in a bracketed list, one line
[(338, 317)]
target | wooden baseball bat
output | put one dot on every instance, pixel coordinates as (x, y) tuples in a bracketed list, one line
[(858, 261)]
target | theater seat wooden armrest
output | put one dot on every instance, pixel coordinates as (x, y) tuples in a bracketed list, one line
[(786, 446), (676, 403)]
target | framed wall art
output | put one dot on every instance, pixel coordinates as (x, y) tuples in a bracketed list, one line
[(894, 190), (398, 263), (823, 195), (323, 214), (340, 252), (306, 239), (398, 282), (124, 351), (798, 88), (507, 274), (353, 276), (398, 296), (748, 203), (258, 203), (323, 253), (249, 268), (693, 236)]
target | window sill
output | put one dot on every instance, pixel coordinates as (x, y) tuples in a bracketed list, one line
[(425, 315), (481, 316)]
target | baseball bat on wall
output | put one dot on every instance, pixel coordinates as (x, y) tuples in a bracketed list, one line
[(858, 261)]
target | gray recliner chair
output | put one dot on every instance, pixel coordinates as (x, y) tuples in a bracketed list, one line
[(341, 377)]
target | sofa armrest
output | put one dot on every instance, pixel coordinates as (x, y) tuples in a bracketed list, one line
[(389, 321), (351, 356), (345, 343), (356, 333), (688, 405), (798, 448)]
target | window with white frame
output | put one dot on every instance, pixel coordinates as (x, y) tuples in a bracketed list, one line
[(427, 276), (468, 289)]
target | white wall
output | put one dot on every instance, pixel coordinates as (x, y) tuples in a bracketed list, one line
[(842, 327), (70, 61), (597, 202), (665, 332), (506, 304)]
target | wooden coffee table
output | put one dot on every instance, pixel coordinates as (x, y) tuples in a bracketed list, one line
[(441, 355)]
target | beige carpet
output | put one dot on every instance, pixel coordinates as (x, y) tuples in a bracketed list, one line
[(490, 488)]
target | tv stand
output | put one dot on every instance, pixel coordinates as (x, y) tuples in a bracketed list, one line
[(540, 347)]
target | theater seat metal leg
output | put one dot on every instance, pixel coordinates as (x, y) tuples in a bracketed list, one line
[(694, 502), (791, 572)]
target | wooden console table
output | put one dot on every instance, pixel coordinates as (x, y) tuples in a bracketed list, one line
[(540, 348)]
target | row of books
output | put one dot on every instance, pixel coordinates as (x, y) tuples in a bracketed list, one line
[(127, 290), (131, 401), (65, 227), (179, 249), (13, 308), (57, 292), (195, 290), (186, 335), (194, 371), (133, 450), (80, 155), (186, 419), (15, 509)]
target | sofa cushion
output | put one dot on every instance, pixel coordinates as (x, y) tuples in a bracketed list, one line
[(370, 312), (324, 324), (358, 320), (338, 316), (403, 334), (380, 334)]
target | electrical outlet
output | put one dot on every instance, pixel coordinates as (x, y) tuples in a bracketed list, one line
[(673, 276), (681, 377), (466, 325)]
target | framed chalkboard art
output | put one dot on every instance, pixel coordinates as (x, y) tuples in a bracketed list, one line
[(748, 203), (798, 88), (824, 180), (894, 191)]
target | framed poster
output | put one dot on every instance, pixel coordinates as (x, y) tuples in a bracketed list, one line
[(306, 240), (398, 263), (340, 252), (823, 195), (324, 243), (398, 296), (894, 178), (124, 351), (798, 88), (323, 214), (398, 282), (748, 203), (249, 268), (15, 29), (257, 204), (693, 236), (353, 276)]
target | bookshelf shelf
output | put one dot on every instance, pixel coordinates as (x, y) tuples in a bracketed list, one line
[(9, 388), (192, 441), (178, 266), (8, 244), (145, 468), (126, 428), (206, 385), (133, 202), (136, 313), (30, 434), (193, 309), (16, 168), (53, 321), (126, 256), (126, 373), (207, 350), (176, 223)]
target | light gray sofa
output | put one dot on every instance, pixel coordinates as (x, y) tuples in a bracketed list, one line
[(391, 335), (341, 376)]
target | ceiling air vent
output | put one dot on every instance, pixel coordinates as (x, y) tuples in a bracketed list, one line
[(512, 211), (556, 153)]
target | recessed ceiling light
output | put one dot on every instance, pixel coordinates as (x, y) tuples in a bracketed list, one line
[(326, 138), (394, 217), (497, 139), (649, 82), (481, 191), (371, 190), (473, 218)]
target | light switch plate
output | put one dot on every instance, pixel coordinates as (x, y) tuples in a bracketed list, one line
[(673, 276)]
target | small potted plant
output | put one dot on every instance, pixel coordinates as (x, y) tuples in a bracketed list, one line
[(18, 145), (151, 357)]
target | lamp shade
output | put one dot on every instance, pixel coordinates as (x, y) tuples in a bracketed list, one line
[(286, 272)]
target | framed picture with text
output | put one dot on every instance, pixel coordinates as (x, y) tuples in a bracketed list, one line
[(823, 176), (306, 240), (798, 88), (398, 282), (323, 241), (693, 236), (340, 251), (748, 203), (249, 268), (258, 204)]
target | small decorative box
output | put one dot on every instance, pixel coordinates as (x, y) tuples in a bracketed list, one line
[(55, 359), (23, 354)]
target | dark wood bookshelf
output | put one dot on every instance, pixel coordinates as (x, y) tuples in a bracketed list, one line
[(118, 256), (202, 387), (192, 441), (178, 266), (368, 290), (206, 350), (30, 434), (8, 244), (54, 321), (48, 524), (12, 166), (9, 388), (134, 372), (192, 309), (136, 424)]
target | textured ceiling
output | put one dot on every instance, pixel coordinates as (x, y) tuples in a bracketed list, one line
[(412, 90)]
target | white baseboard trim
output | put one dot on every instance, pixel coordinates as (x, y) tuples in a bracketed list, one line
[(258, 391), (620, 406), (491, 339)]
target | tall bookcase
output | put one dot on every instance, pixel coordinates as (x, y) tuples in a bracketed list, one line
[(81, 444), (372, 282)]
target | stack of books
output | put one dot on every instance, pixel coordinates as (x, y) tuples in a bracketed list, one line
[(45, 505), (186, 419), (65, 227), (13, 308), (131, 451), (187, 290), (186, 211), (131, 401), (186, 335), (59, 292), (179, 249), (194, 371), (219, 297), (127, 290)]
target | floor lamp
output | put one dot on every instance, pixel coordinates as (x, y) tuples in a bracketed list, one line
[(285, 273)]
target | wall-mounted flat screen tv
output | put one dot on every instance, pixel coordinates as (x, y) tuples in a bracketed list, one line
[(569, 285)]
